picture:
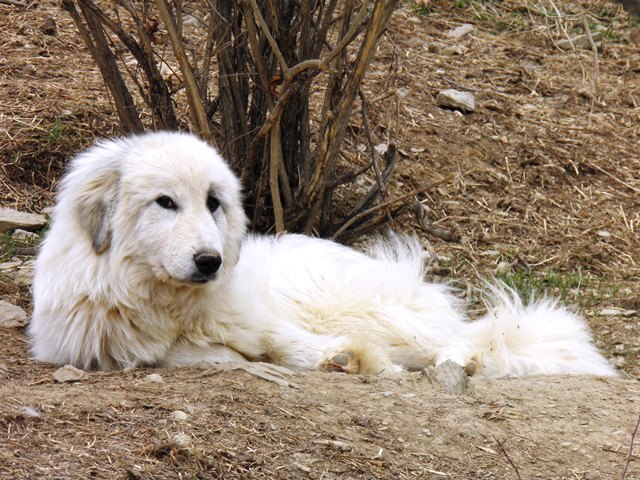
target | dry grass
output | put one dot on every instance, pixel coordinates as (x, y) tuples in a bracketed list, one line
[(544, 180)]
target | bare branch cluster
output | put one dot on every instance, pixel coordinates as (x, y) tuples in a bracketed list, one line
[(247, 84)]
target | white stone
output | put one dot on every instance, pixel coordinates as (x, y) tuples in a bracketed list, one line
[(461, 31), (68, 374), (155, 378), (12, 219), (456, 100), (181, 440), (179, 415), (25, 236), (616, 312), (12, 316), (453, 50)]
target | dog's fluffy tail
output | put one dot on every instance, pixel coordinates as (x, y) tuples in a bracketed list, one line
[(539, 338)]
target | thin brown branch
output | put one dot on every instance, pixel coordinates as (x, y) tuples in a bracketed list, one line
[(633, 439), (369, 135), (275, 160), (334, 126), (401, 198), (504, 451), (265, 30), (13, 3), (95, 39), (196, 107)]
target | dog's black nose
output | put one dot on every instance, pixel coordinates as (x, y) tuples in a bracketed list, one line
[(207, 263)]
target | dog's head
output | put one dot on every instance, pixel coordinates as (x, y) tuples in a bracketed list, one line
[(162, 201)]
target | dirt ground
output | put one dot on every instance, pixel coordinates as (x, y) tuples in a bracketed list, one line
[(542, 188)]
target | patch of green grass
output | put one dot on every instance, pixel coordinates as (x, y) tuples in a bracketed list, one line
[(568, 286), (7, 247), (421, 9), (56, 134), (611, 35)]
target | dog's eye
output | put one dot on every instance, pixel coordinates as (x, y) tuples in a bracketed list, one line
[(212, 204), (166, 202)]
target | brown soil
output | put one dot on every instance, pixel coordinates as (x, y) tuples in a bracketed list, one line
[(545, 186)]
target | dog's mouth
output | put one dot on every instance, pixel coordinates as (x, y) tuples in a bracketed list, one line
[(195, 279), (200, 279)]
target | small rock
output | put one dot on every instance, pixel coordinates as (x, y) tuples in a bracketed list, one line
[(304, 468), (49, 27), (337, 444), (580, 41), (616, 312), (381, 455), (456, 100), (461, 31), (181, 440), (381, 148), (155, 378), (179, 415), (12, 316), (450, 377), (20, 272), (619, 361), (68, 374), (25, 236), (12, 219), (30, 412), (453, 50), (604, 233), (503, 267), (4, 371)]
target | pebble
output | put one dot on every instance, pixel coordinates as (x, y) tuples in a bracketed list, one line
[(30, 411), (616, 312), (450, 377), (581, 41), (461, 31), (25, 236), (68, 374), (337, 444), (155, 378), (454, 50), (457, 100), (181, 440), (12, 316), (179, 415)]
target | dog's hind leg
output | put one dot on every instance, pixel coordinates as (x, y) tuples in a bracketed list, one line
[(188, 354)]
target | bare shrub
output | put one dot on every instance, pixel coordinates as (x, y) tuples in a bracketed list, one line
[(288, 75)]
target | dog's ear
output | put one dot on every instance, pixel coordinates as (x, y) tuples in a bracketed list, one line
[(94, 180)]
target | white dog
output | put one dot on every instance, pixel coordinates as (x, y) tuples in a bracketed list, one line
[(147, 263)]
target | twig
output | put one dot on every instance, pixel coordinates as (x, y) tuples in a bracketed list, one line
[(372, 147), (622, 182), (14, 3), (633, 438), (275, 155), (418, 190), (446, 234), (198, 114), (503, 450), (390, 156), (272, 43)]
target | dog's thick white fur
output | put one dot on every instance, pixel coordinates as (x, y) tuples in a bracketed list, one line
[(147, 263)]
